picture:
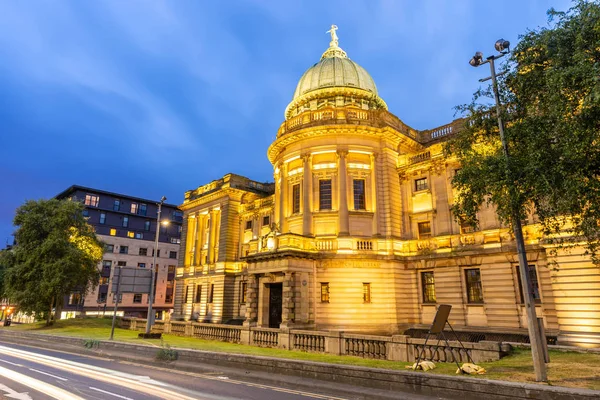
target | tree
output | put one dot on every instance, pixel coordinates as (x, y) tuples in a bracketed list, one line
[(551, 92), (57, 252)]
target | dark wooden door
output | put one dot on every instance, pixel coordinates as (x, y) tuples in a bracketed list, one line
[(275, 303)]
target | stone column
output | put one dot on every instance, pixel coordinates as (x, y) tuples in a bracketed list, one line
[(374, 208), (252, 301), (211, 235), (344, 223), (277, 199), (282, 199), (287, 303), (307, 219), (201, 238), (195, 241)]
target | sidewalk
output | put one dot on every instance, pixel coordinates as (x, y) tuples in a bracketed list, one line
[(404, 381)]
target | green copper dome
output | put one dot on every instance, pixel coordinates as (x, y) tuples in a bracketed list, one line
[(335, 69)]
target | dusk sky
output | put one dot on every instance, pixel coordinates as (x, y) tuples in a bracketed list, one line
[(152, 98)]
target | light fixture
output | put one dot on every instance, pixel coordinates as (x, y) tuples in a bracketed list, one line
[(502, 45), (476, 60)]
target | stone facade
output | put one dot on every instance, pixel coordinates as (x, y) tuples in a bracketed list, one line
[(356, 233)]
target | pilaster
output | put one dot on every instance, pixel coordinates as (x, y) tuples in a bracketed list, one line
[(252, 301), (307, 219), (344, 222)]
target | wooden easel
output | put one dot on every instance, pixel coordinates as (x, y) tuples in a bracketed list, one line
[(437, 327)]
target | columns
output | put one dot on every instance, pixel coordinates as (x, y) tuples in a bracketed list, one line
[(374, 196), (283, 195), (287, 301), (344, 223), (307, 220), (252, 301), (195, 241), (211, 236), (201, 239)]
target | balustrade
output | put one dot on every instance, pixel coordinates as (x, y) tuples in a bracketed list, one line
[(308, 341), (366, 347), (265, 337)]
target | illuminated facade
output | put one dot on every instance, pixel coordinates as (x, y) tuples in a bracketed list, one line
[(356, 232)]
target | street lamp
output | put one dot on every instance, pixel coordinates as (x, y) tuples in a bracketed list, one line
[(150, 319), (535, 337)]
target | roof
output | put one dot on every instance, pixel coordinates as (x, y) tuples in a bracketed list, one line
[(74, 188)]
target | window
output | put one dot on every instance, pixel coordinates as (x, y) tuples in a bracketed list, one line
[(359, 194), (243, 292), (146, 225), (113, 232), (134, 208), (173, 254), (109, 248), (424, 229), (106, 265), (91, 200), (75, 299), (366, 292), (187, 292), (177, 216), (141, 265), (325, 194), (137, 298), (175, 241), (101, 297), (122, 263), (211, 292), (421, 184), (533, 282), (124, 249), (171, 269), (125, 222), (198, 297), (103, 280), (130, 234), (428, 285), (266, 220), (248, 225), (120, 298), (102, 218), (473, 280), (324, 292), (117, 205), (139, 235), (296, 199), (157, 253), (143, 251), (142, 210), (85, 212)]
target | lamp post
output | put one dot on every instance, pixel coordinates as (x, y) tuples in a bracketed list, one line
[(150, 319), (535, 337)]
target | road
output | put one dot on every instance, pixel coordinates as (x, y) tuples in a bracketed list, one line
[(34, 373)]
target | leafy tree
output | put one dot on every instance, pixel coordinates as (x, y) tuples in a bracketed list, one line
[(57, 252), (551, 92)]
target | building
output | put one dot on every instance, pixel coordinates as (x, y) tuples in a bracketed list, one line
[(127, 226), (356, 233)]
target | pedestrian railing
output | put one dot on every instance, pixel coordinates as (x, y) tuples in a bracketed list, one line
[(396, 347)]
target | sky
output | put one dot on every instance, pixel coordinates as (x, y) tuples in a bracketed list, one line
[(151, 98)]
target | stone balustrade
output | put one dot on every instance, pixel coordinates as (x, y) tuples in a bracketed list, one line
[(442, 243), (393, 348)]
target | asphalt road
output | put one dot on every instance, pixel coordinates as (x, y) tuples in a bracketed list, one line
[(34, 373)]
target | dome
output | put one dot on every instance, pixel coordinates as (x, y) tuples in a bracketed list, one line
[(335, 69)]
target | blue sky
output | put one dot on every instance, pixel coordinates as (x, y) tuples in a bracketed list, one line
[(153, 98)]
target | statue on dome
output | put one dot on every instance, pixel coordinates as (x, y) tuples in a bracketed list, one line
[(334, 37)]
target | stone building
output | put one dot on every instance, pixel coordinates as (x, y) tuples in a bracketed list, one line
[(356, 232), (127, 227)]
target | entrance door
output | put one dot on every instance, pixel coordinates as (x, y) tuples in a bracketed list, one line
[(275, 297)]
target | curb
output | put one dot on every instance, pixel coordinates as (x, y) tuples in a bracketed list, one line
[(403, 381)]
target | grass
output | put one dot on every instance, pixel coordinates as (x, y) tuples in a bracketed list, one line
[(571, 369)]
